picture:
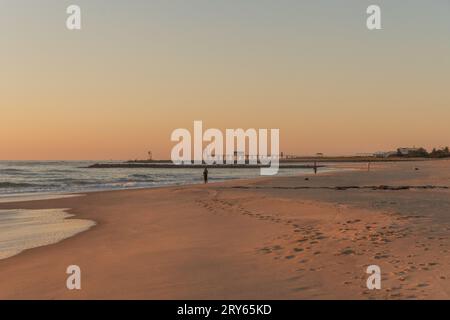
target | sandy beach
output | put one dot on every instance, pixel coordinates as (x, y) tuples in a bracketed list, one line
[(266, 238)]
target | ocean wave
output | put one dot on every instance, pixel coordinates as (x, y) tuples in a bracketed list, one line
[(72, 181), (11, 170), (142, 177), (62, 171), (18, 185)]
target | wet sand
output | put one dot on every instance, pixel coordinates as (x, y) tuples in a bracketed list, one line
[(267, 238), (23, 229)]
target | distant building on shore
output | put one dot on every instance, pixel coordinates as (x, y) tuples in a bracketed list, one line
[(365, 154), (385, 154), (401, 152), (407, 151)]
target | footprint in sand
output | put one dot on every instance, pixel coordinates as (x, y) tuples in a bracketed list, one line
[(265, 250), (347, 251), (302, 289), (303, 261)]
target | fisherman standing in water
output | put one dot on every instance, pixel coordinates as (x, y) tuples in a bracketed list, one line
[(205, 175)]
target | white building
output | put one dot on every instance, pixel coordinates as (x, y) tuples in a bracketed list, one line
[(384, 154), (406, 151)]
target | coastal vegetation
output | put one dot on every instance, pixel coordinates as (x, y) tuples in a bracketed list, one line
[(422, 152)]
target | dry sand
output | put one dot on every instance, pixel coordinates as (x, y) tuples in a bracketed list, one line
[(268, 238)]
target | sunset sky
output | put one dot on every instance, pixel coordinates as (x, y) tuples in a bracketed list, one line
[(140, 69)]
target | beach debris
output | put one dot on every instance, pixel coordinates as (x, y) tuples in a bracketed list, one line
[(347, 251)]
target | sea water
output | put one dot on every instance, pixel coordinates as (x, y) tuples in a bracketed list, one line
[(22, 229), (49, 177)]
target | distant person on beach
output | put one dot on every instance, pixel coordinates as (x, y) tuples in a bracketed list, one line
[(315, 167), (205, 175)]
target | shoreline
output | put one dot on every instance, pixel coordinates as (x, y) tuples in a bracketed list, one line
[(140, 165), (6, 198), (26, 229), (269, 242)]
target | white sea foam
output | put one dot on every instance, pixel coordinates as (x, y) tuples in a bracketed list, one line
[(22, 229), (34, 197)]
